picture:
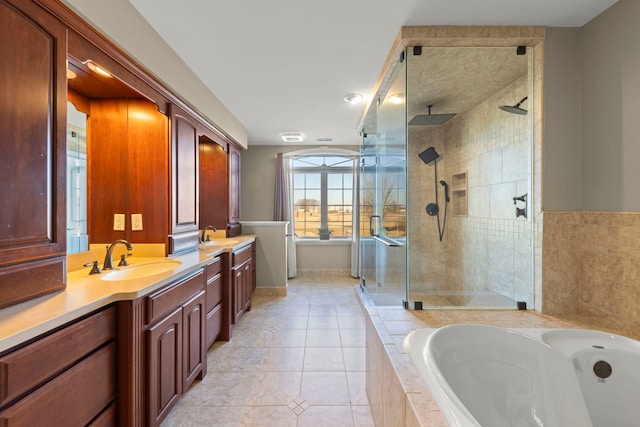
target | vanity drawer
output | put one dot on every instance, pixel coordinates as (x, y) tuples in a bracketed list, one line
[(241, 255), (214, 291), (214, 268), (73, 398), (168, 298), (214, 324), (36, 363)]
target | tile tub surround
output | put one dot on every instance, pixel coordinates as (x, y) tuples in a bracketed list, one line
[(296, 361), (591, 267), (397, 394)]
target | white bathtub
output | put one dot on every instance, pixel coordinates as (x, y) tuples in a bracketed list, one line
[(492, 377), (608, 370)]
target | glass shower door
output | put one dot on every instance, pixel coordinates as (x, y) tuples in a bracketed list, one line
[(384, 201)]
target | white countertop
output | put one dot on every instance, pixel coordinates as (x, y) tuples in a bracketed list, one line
[(86, 293)]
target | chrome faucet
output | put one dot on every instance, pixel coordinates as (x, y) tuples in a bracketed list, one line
[(108, 261), (204, 233)]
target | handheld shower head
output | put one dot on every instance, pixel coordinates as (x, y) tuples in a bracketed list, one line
[(446, 191)]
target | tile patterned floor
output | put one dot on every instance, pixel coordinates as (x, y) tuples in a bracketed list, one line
[(297, 361)]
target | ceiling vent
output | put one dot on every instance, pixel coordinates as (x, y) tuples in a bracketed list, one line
[(292, 136), (324, 139)]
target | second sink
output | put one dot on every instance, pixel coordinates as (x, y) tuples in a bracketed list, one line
[(139, 271)]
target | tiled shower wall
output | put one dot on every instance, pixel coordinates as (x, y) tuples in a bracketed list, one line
[(591, 267), (489, 248)]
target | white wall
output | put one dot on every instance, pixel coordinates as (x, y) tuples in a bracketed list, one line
[(121, 22)]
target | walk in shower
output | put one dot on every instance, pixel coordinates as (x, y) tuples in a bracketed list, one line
[(446, 179)]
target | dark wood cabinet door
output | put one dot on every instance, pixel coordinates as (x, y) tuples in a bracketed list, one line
[(234, 184), (165, 366), (32, 142), (193, 320), (184, 181), (237, 275), (248, 285)]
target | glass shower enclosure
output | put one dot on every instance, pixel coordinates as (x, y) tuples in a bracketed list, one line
[(453, 228)]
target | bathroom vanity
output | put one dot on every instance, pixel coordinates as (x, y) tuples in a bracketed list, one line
[(121, 347)]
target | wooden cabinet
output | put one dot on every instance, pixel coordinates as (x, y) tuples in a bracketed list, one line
[(65, 378), (32, 141), (242, 280), (216, 309), (175, 343), (233, 227), (184, 181)]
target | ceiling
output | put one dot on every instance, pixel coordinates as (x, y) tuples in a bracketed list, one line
[(286, 65)]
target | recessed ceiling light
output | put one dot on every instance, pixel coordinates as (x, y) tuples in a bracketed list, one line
[(354, 98), (71, 74), (292, 136)]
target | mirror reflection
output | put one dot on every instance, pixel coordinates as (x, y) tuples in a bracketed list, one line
[(112, 133), (77, 237)]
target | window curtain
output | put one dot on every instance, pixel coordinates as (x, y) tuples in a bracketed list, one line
[(355, 222), (283, 208)]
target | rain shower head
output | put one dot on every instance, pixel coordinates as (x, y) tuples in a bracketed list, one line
[(429, 155), (515, 109), (430, 119)]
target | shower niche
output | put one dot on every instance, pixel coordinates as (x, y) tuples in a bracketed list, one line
[(459, 194)]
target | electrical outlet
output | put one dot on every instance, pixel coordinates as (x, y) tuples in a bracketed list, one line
[(118, 222), (136, 222)]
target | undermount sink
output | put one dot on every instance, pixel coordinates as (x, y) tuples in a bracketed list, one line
[(221, 242), (140, 271)]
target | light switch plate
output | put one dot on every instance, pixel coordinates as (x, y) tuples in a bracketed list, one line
[(118, 222), (136, 222)]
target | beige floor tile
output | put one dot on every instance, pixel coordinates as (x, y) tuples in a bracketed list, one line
[(323, 322), (289, 338), (283, 359), (355, 359), (362, 416), (275, 388), (353, 337), (269, 416), (323, 360), (357, 388), (299, 354), (241, 360), (221, 388), (323, 416), (296, 309), (323, 338), (325, 388), (322, 310), (351, 322), (199, 416), (250, 338), (293, 322)]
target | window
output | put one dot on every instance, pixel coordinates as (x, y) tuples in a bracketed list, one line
[(323, 196)]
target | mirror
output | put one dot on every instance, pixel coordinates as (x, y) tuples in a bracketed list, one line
[(116, 141), (77, 237)]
